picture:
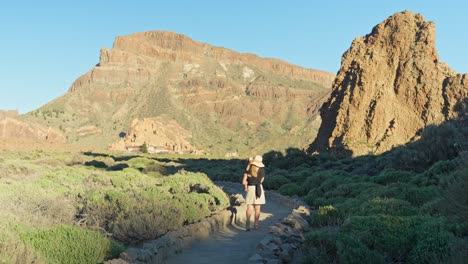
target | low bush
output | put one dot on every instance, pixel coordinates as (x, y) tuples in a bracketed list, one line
[(312, 195), (15, 251), (274, 182), (313, 181), (156, 169), (68, 244), (146, 220), (320, 245), (140, 163), (290, 189), (439, 171), (350, 190), (351, 250), (433, 247), (454, 198), (418, 196), (141, 207), (388, 235), (388, 206), (392, 176), (433, 242), (325, 216)]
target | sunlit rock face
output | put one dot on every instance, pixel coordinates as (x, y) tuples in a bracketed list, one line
[(391, 85)]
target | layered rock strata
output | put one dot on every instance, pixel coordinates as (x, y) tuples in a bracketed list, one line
[(227, 101)]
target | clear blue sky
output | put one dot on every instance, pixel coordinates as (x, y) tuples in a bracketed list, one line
[(46, 45)]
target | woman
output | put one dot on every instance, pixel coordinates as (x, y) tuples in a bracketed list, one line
[(252, 181)]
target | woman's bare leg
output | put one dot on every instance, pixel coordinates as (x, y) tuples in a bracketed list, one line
[(248, 213), (257, 213)]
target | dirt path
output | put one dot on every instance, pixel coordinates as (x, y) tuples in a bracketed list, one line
[(234, 244)]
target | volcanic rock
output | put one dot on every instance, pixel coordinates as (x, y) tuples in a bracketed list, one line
[(227, 101), (13, 130), (158, 133), (391, 85)]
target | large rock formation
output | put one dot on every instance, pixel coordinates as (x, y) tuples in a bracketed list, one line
[(227, 101), (391, 86), (160, 135)]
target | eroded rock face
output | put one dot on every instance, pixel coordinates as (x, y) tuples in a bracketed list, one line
[(228, 101), (158, 133), (391, 85), (16, 131)]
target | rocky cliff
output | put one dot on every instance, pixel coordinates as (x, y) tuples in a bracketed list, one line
[(391, 85), (160, 134), (227, 101)]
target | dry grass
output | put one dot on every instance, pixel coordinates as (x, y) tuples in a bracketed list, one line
[(45, 195)]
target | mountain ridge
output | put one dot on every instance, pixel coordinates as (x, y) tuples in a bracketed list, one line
[(227, 101)]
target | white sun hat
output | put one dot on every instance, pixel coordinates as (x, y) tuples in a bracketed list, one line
[(258, 161)]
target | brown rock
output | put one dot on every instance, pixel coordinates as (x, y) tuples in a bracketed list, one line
[(158, 133), (391, 85), (8, 113), (228, 101), (88, 130), (14, 130)]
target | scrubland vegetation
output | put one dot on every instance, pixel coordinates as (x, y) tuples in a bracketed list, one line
[(409, 205), (84, 208)]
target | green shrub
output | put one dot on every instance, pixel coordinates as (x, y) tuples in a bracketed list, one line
[(388, 206), (156, 169), (392, 176), (325, 216), (320, 246), (454, 199), (144, 148), (432, 208), (140, 163), (330, 184), (433, 244), (337, 200), (15, 251), (436, 143), (275, 181), (351, 250), (418, 196), (141, 207), (312, 182), (393, 190), (439, 171), (290, 189), (319, 202), (459, 251), (350, 190), (388, 235), (146, 220), (68, 244), (195, 206), (333, 178), (312, 195)]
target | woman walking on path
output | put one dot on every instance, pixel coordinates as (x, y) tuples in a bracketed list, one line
[(252, 181)]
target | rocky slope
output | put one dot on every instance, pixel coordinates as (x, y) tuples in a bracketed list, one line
[(226, 101), (391, 86), (14, 132)]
